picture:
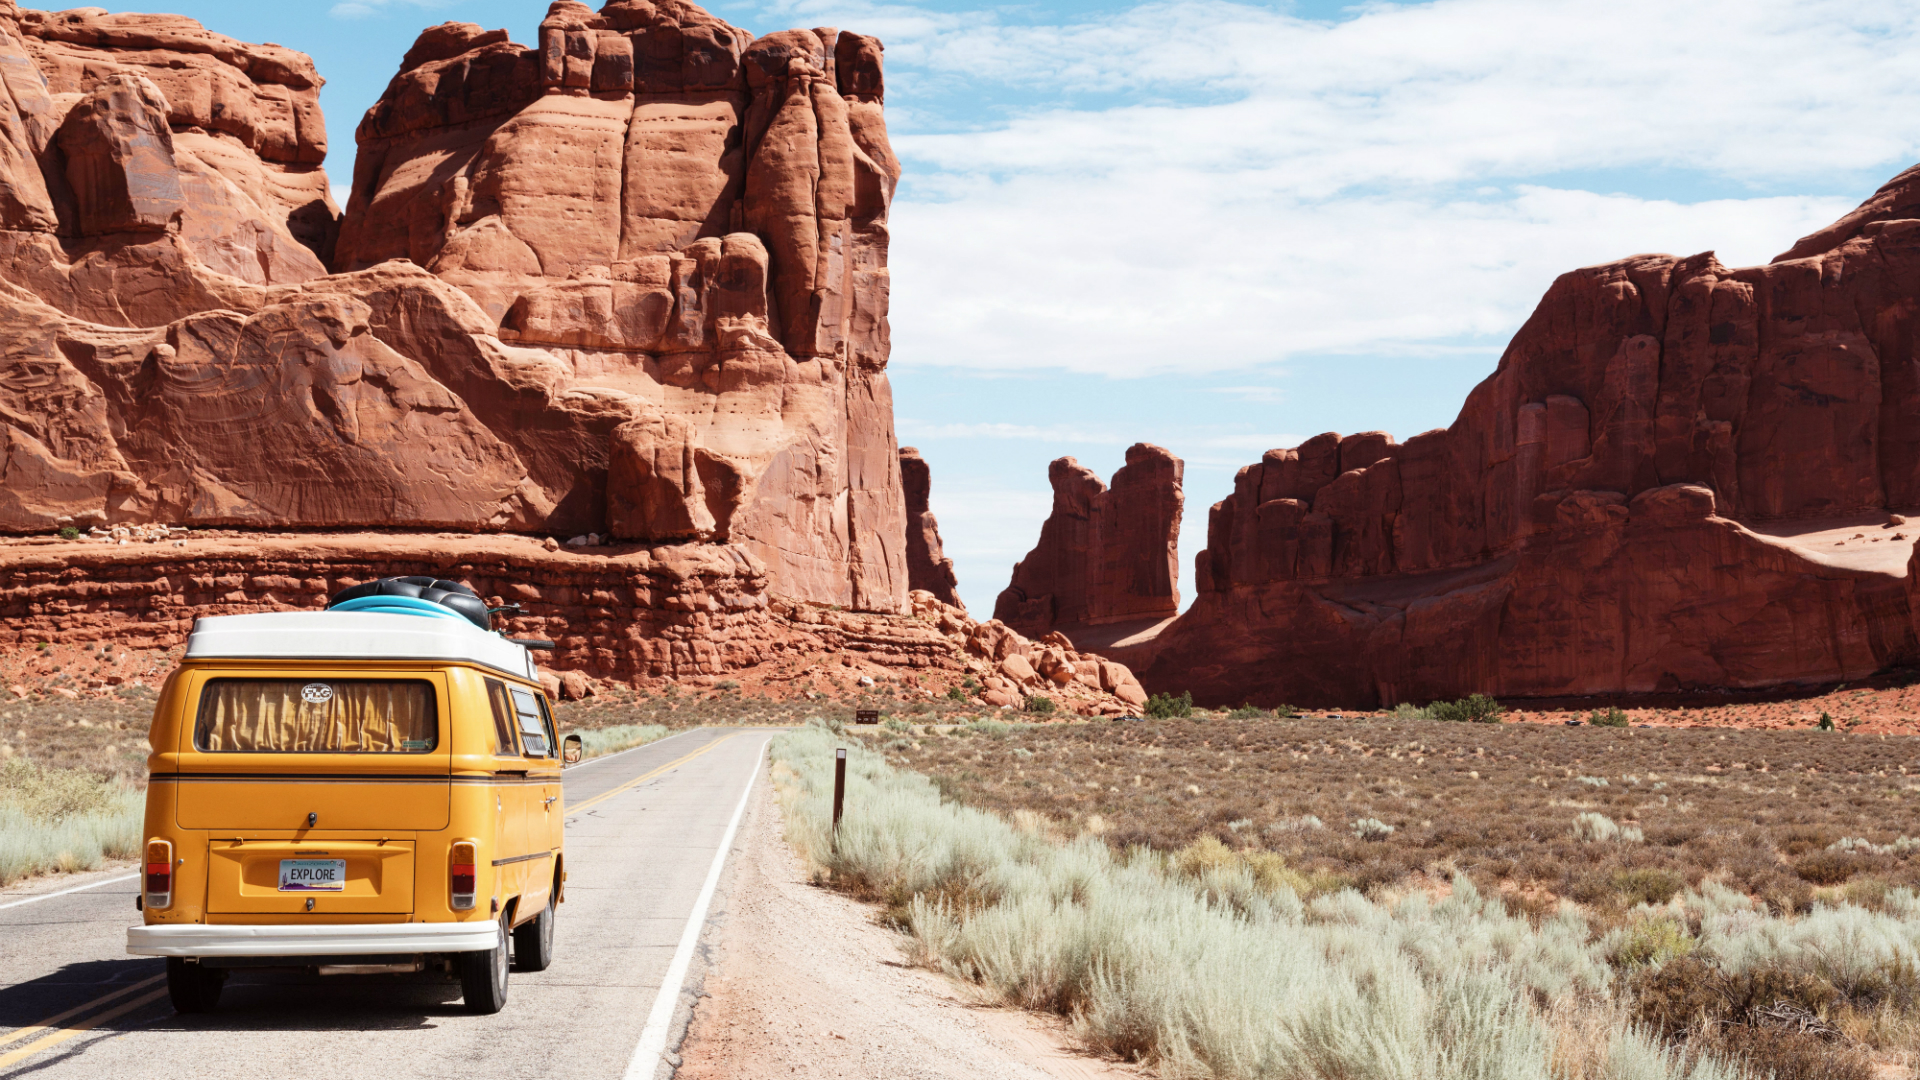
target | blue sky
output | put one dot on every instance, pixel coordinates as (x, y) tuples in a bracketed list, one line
[(1224, 227)]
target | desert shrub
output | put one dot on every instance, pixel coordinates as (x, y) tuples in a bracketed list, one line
[(1826, 722), (1168, 707), (993, 729), (1646, 885), (1654, 940), (1611, 716), (598, 742), (1788, 1054), (1590, 827), (894, 723), (955, 693), (1248, 712), (1039, 704), (63, 820), (1474, 709), (726, 684), (1772, 1019), (1409, 711), (69, 532), (1827, 867), (1367, 828)]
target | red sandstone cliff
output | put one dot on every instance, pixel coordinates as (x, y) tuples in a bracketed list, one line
[(632, 281), (1675, 479), (928, 567), (1105, 556)]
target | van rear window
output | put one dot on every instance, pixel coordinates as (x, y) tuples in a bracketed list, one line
[(317, 716)]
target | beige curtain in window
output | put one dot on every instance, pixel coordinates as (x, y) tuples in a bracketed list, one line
[(316, 716)]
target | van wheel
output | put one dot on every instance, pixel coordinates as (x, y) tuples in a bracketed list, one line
[(194, 988), (533, 941), (483, 976)]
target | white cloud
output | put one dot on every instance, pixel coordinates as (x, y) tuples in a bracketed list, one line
[(1406, 180), (360, 9)]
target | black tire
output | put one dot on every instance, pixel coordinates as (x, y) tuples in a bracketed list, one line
[(193, 988), (533, 940), (483, 976)]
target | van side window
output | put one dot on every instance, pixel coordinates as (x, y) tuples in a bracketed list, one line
[(533, 730), (503, 745), (547, 715)]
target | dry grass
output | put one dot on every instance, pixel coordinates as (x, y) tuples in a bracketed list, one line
[(1607, 817)]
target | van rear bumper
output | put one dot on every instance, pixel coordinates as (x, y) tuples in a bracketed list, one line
[(334, 939)]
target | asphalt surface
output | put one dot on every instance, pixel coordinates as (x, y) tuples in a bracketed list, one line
[(643, 829)]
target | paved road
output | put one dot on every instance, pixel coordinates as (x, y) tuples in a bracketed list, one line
[(643, 829)]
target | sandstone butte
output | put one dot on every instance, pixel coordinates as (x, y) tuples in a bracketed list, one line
[(631, 282), (1680, 477), (1108, 558), (928, 567)]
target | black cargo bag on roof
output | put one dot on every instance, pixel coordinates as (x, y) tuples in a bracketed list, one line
[(448, 594)]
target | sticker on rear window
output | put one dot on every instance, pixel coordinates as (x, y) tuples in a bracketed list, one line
[(316, 693), (416, 744)]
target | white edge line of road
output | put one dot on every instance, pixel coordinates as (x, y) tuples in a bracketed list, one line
[(653, 1038), (75, 889)]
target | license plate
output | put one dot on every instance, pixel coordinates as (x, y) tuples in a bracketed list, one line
[(313, 875)]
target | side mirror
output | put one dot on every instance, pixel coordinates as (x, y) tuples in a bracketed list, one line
[(572, 749)]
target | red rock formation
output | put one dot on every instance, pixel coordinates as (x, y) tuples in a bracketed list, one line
[(631, 281), (928, 568), (1104, 556), (1659, 488)]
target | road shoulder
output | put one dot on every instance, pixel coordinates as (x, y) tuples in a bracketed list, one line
[(805, 983)]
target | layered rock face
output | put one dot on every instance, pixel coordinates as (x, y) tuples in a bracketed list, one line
[(1658, 489), (630, 281), (1106, 555), (928, 567)]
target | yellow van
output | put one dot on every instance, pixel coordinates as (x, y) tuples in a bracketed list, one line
[(370, 788)]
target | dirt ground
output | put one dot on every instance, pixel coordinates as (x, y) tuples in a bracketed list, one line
[(1384, 803), (807, 984)]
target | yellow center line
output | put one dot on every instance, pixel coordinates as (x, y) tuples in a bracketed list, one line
[(65, 1033), (43, 1025), (644, 777)]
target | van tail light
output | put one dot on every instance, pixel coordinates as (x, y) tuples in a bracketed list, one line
[(159, 887), (461, 875)]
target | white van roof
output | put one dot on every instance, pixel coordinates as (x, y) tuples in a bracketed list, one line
[(354, 635)]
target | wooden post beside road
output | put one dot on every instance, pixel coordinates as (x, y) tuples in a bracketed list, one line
[(839, 787)]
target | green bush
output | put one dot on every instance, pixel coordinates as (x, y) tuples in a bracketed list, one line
[(1826, 722), (1408, 711), (1608, 717), (955, 693), (68, 532), (1168, 707), (1475, 709), (1248, 712), (1649, 941), (1647, 885), (726, 684), (1039, 704)]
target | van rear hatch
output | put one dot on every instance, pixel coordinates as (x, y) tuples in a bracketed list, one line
[(287, 754)]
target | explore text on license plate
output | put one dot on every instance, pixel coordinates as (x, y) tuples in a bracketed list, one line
[(313, 875)]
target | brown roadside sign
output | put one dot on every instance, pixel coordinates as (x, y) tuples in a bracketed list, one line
[(866, 716)]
